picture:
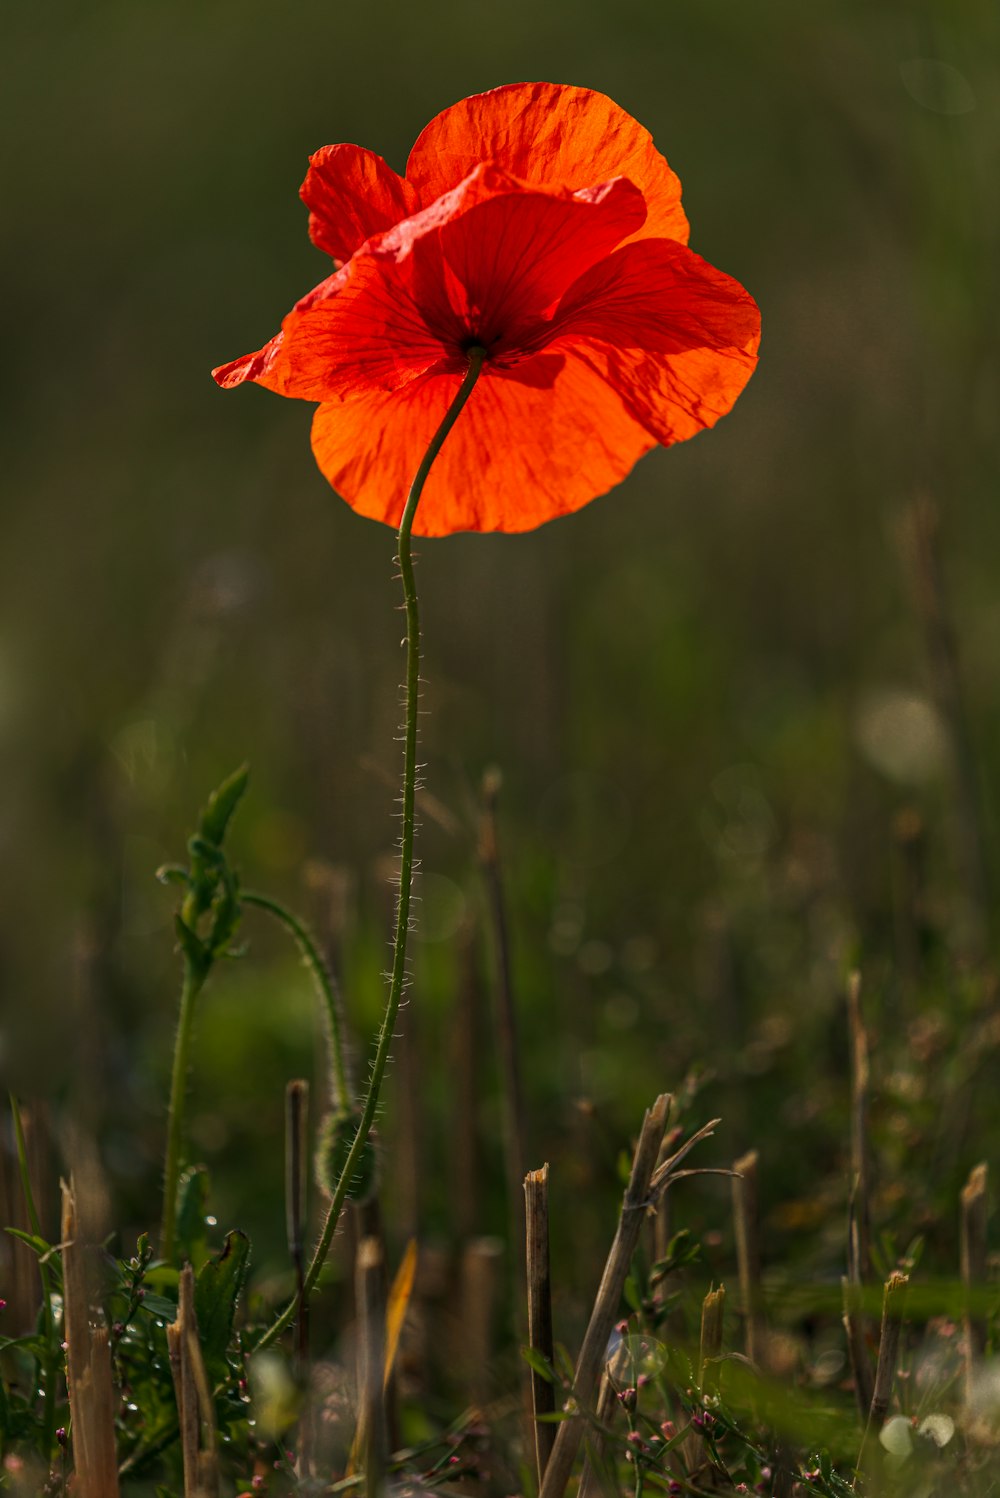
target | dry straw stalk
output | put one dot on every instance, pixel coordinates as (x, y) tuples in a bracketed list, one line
[(973, 1250), (372, 1438), (88, 1363), (602, 1318), (195, 1405), (746, 1223)]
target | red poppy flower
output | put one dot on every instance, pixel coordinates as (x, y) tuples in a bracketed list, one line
[(539, 222)]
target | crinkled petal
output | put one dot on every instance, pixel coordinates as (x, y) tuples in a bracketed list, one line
[(550, 134), (489, 259), (676, 338), (258, 367), (522, 452), (352, 194), (485, 263), (657, 294), (270, 366), (674, 396)]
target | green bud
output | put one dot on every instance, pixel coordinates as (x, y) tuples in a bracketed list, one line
[(221, 805), (336, 1135)]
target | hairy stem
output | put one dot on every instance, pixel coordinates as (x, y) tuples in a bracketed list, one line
[(192, 986), (339, 1088), (398, 977)]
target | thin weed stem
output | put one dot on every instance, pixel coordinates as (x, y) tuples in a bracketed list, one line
[(296, 1188), (888, 1357), (543, 1401), (397, 980)]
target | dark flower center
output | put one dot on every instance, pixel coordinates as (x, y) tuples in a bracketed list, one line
[(476, 340)]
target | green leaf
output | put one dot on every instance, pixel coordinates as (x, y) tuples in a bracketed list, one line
[(39, 1245), (538, 1363), (216, 1292), (35, 1344), (226, 911), (204, 852), (194, 949), (192, 1207), (221, 805), (683, 1249), (159, 1307)]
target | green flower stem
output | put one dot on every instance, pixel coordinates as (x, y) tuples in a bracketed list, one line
[(194, 982), (324, 987), (398, 977)]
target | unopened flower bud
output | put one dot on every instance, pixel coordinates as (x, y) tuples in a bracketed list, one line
[(337, 1135)]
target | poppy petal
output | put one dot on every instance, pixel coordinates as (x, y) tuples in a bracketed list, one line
[(489, 258), (484, 263), (675, 396), (676, 338), (352, 194), (523, 452), (270, 365), (255, 367), (549, 134)]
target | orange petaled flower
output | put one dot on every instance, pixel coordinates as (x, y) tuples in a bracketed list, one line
[(538, 222)]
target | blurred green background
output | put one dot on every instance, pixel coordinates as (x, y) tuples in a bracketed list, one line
[(709, 692)]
